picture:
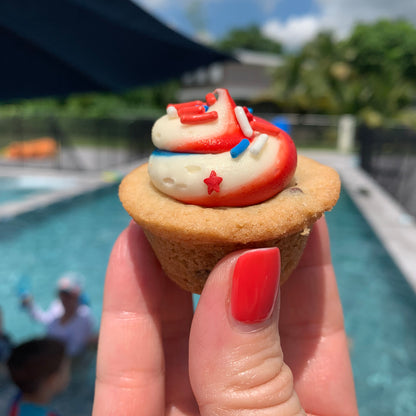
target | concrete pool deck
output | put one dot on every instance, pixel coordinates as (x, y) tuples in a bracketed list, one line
[(394, 227), (75, 183)]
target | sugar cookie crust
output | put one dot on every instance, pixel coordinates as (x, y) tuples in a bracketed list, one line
[(315, 191)]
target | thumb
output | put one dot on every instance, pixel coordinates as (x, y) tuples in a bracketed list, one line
[(235, 360)]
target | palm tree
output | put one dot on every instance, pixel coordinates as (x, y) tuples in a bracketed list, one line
[(312, 80)]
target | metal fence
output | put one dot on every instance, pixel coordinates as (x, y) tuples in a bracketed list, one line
[(389, 156), (83, 144), (309, 130), (105, 143)]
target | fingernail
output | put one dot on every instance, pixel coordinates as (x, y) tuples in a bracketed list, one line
[(255, 285)]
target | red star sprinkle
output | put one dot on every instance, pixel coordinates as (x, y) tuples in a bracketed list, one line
[(213, 182)]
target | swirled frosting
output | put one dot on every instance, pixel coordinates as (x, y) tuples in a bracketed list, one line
[(215, 153)]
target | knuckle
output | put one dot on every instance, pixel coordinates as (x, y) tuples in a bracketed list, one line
[(258, 383)]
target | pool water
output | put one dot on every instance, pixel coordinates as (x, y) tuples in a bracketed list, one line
[(19, 188), (10, 192), (380, 311), (78, 236)]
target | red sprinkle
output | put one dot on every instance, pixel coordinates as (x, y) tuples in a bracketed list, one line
[(188, 104), (264, 126), (193, 109), (213, 182), (199, 118), (248, 114), (210, 98)]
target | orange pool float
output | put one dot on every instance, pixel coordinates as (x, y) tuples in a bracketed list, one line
[(32, 149)]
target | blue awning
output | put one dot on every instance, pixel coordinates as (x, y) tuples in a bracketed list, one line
[(58, 47)]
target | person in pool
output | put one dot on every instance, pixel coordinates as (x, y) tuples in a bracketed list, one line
[(243, 352), (67, 319), (40, 369)]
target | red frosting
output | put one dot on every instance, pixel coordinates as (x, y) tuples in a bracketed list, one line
[(259, 189)]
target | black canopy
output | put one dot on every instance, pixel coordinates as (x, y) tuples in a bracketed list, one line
[(57, 47)]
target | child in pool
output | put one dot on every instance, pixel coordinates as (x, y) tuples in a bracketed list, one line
[(40, 369)]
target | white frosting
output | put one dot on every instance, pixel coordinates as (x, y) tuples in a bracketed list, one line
[(182, 175), (203, 156)]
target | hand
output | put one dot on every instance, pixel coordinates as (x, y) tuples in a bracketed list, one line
[(156, 358)]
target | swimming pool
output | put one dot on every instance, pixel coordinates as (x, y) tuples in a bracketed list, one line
[(379, 305), (380, 310), (18, 188), (69, 236)]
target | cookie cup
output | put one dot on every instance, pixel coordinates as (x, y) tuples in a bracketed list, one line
[(189, 240)]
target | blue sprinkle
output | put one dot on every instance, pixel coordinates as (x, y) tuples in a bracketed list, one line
[(240, 148), (165, 153), (206, 107), (250, 110)]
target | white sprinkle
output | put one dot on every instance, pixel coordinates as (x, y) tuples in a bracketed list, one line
[(172, 112), (258, 144), (243, 121)]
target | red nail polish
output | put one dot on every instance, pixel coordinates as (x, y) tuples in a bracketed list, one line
[(255, 285)]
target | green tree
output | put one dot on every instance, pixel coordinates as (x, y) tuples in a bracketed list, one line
[(383, 56), (312, 79), (139, 101), (372, 72), (248, 38), (386, 47)]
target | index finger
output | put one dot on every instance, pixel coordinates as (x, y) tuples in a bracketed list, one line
[(310, 301), (130, 361), (312, 332)]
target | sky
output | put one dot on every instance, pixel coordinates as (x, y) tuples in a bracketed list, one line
[(291, 22)]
